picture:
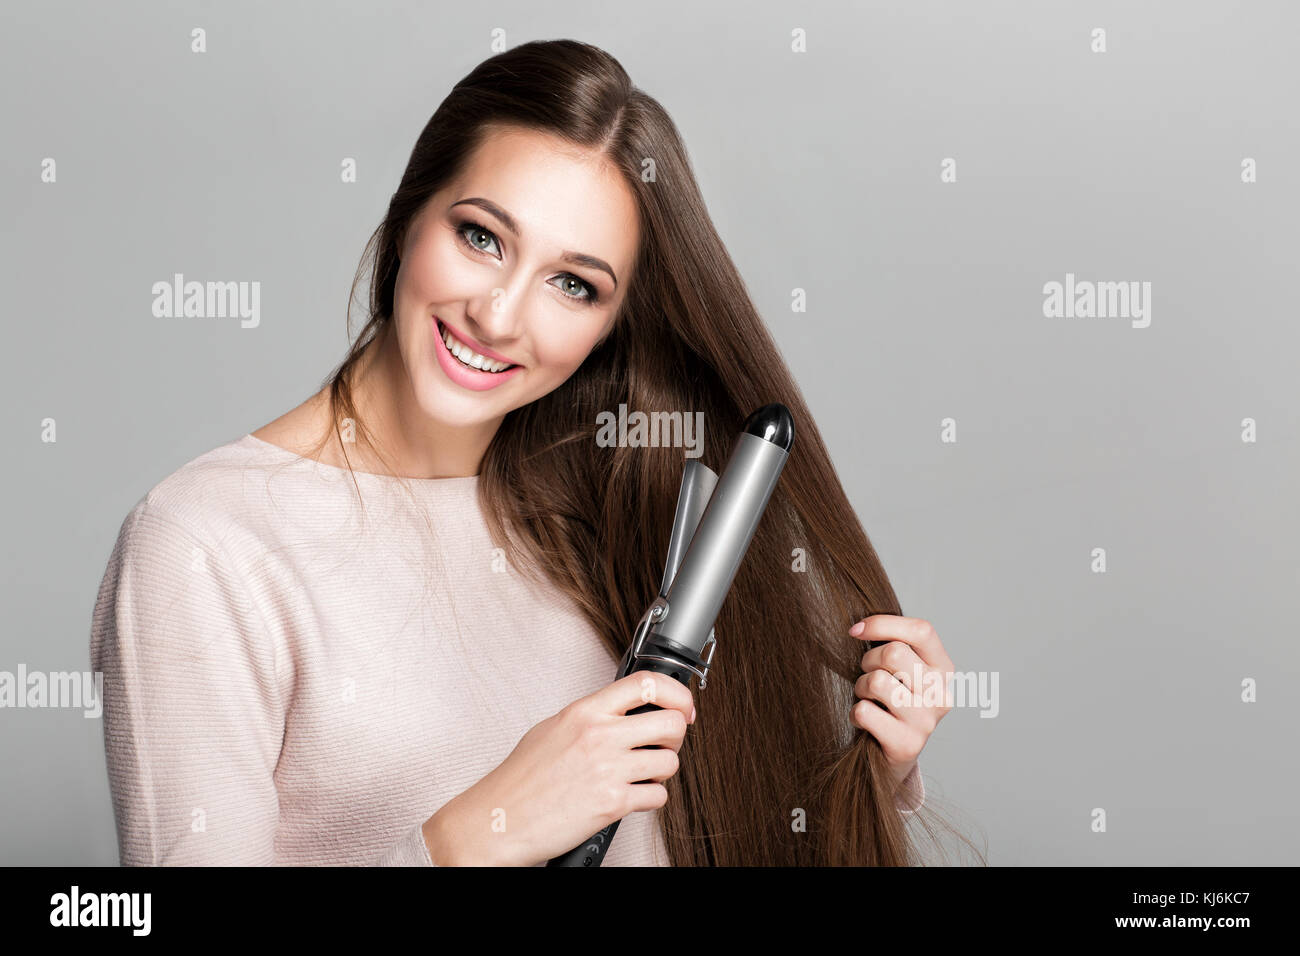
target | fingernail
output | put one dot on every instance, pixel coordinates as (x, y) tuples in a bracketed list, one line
[(856, 629), (692, 715)]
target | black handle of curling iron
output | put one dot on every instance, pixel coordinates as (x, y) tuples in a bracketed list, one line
[(592, 852)]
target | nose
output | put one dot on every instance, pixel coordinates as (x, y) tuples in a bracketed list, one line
[(494, 318)]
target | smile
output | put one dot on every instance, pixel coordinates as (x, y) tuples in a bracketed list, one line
[(467, 366), (467, 356)]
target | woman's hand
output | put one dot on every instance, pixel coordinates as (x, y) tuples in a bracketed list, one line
[(570, 776), (891, 672)]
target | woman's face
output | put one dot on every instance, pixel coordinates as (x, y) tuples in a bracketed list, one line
[(524, 259)]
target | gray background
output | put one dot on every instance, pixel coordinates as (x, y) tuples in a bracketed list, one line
[(1118, 690)]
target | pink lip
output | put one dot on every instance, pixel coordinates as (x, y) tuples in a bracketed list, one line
[(470, 378)]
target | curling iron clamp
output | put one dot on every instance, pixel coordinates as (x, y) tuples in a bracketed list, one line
[(715, 521)]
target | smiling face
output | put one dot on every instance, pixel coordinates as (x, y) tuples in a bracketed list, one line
[(525, 258)]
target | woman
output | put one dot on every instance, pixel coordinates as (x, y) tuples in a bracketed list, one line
[(383, 627)]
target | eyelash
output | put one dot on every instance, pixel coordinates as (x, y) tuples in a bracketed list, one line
[(592, 296)]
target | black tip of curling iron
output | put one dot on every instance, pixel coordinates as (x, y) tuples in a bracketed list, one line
[(772, 423)]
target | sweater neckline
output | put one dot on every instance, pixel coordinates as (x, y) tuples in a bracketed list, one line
[(466, 482)]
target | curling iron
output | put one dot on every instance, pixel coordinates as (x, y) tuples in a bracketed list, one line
[(715, 520)]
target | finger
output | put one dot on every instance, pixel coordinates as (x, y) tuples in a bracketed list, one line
[(898, 659), (647, 796), (900, 742), (913, 631), (644, 766), (902, 702), (655, 728), (641, 688), (881, 724), (882, 686)]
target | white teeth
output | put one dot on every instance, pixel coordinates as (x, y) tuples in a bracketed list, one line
[(468, 356)]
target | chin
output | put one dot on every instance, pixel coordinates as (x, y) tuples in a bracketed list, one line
[(448, 404), (444, 403)]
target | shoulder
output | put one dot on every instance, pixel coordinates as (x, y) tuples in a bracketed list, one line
[(175, 550), (205, 489), (230, 480), (229, 498)]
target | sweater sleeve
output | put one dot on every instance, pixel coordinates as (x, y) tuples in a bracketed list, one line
[(912, 795), (410, 850), (193, 715)]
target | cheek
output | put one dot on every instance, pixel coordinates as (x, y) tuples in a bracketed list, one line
[(563, 353), (435, 271)]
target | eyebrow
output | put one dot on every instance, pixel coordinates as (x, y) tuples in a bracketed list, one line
[(576, 258)]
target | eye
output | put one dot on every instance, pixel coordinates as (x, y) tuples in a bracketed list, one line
[(471, 233), (570, 281)]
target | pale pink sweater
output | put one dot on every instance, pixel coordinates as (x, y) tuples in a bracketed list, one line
[(289, 681)]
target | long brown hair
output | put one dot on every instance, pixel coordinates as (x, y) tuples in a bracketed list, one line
[(773, 744)]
